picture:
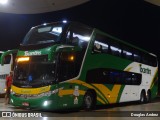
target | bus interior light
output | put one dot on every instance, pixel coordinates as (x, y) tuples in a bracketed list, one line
[(44, 24), (64, 21), (23, 59), (3, 1)]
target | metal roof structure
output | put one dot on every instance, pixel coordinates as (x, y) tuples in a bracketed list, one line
[(155, 2), (37, 6), (42, 6)]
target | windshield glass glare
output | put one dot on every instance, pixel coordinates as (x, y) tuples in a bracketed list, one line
[(43, 34), (34, 74)]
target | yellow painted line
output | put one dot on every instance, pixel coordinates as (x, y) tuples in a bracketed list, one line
[(30, 91)]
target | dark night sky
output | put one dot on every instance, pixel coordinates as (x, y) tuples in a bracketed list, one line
[(134, 21)]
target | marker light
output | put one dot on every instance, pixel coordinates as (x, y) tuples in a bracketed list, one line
[(71, 58), (22, 59), (3, 1)]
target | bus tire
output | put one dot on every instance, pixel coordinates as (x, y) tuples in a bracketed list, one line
[(89, 101), (142, 97), (148, 96)]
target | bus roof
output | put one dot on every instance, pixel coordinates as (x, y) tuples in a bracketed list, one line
[(114, 38)]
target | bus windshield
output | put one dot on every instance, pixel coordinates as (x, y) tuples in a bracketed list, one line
[(34, 74), (43, 34)]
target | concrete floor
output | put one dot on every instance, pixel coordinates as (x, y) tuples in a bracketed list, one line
[(101, 113)]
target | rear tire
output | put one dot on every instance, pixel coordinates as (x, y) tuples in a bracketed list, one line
[(142, 97), (89, 101), (149, 96)]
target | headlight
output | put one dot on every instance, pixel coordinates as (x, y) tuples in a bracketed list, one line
[(45, 103), (5, 89)]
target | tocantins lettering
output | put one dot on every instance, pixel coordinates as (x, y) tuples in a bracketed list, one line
[(27, 53), (144, 70)]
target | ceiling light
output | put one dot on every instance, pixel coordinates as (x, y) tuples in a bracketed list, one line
[(3, 1)]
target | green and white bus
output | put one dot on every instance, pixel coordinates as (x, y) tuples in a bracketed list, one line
[(65, 65)]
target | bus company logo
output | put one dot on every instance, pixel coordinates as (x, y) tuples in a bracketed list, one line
[(27, 53), (25, 91), (144, 70)]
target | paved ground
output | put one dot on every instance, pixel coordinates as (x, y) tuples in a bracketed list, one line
[(124, 111)]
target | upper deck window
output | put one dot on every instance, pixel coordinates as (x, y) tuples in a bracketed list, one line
[(78, 35), (43, 34)]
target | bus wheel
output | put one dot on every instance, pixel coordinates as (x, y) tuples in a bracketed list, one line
[(143, 97), (149, 96), (89, 101)]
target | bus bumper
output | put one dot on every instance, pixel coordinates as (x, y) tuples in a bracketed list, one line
[(44, 102)]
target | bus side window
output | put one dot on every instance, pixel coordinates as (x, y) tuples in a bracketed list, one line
[(127, 78), (145, 59), (78, 36), (153, 61), (136, 56), (7, 59), (127, 53), (136, 79), (115, 50), (98, 76), (101, 44)]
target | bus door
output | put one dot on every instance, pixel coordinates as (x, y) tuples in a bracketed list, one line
[(66, 71)]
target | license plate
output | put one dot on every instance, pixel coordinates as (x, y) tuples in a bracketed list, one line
[(25, 104)]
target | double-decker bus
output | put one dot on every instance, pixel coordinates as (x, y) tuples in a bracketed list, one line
[(6, 65), (71, 65)]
